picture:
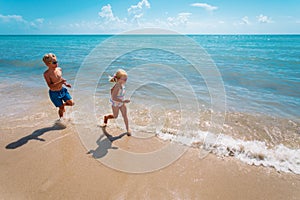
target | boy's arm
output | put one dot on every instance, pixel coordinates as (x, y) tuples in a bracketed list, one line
[(65, 81), (67, 84), (49, 82)]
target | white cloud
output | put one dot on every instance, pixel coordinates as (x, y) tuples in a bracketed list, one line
[(40, 20), (10, 18), (112, 23), (36, 23), (138, 16), (136, 12), (264, 19), (205, 6), (107, 14), (136, 9), (17, 21), (180, 19), (245, 20)]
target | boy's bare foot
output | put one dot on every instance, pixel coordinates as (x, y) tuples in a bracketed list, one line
[(61, 113), (128, 133), (60, 123)]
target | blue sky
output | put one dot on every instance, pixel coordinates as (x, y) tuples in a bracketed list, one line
[(184, 16)]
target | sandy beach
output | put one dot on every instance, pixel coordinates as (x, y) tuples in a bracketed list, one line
[(45, 163), (255, 157), (208, 89)]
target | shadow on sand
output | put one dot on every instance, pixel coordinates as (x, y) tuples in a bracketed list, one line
[(104, 144), (34, 136)]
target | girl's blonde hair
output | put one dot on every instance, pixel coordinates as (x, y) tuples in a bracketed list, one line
[(117, 75)]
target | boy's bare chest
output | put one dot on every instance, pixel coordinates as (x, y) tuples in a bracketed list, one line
[(56, 75)]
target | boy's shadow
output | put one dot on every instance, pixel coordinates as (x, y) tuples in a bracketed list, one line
[(34, 136), (104, 144)]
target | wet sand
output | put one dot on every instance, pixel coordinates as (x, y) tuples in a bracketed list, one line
[(45, 163)]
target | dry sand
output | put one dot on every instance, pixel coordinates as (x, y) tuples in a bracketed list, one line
[(42, 163)]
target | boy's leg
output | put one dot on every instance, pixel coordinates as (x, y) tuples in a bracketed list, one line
[(69, 103), (124, 114), (62, 107), (67, 98), (61, 111), (54, 96)]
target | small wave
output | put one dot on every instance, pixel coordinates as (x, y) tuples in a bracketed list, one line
[(255, 152)]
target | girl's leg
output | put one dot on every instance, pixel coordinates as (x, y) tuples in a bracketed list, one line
[(107, 117), (124, 114), (115, 110), (112, 116)]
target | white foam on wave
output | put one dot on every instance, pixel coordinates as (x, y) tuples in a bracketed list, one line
[(254, 152)]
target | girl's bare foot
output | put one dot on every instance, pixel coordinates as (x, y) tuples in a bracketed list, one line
[(103, 125), (105, 119), (104, 122)]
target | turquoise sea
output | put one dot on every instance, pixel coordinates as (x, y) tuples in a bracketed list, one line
[(260, 76)]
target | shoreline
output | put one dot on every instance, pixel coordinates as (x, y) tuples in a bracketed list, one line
[(59, 167)]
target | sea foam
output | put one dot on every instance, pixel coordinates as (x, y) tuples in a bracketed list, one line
[(254, 152)]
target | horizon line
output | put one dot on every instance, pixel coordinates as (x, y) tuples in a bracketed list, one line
[(112, 34)]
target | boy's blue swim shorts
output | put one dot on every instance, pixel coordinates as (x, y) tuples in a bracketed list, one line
[(57, 97)]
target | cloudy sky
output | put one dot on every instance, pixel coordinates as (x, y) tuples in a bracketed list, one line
[(116, 16)]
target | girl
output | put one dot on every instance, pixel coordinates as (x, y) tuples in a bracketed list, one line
[(118, 99)]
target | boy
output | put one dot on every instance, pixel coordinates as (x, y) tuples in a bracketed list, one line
[(54, 79)]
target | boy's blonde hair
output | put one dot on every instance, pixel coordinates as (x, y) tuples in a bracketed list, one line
[(48, 57), (118, 75)]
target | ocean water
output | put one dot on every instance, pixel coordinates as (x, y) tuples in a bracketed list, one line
[(244, 93)]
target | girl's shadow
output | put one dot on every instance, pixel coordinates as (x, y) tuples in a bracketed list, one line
[(104, 144)]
